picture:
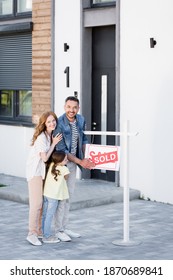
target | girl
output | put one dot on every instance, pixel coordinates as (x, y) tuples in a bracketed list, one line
[(55, 189), (42, 146)]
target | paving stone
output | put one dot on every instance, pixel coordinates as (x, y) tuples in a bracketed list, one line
[(151, 223)]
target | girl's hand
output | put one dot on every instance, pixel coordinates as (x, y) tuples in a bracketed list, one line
[(66, 177), (56, 139)]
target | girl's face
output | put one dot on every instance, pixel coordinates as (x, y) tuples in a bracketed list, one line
[(64, 162), (50, 123)]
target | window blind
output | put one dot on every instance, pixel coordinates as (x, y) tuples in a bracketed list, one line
[(16, 61)]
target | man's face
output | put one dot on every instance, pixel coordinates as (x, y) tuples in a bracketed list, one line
[(71, 109)]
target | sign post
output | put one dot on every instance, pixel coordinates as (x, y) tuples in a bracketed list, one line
[(125, 147), (126, 240)]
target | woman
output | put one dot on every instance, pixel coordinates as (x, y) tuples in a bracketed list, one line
[(42, 146)]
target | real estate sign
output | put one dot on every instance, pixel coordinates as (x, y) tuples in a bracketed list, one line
[(104, 156)]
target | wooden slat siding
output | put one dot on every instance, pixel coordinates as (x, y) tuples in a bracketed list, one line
[(41, 57)]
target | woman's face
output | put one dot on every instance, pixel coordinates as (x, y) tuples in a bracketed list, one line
[(50, 123)]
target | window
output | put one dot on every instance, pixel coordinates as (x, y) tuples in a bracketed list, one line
[(13, 8), (102, 2), (24, 6), (6, 103), (6, 7), (16, 78), (15, 62), (15, 105), (25, 103)]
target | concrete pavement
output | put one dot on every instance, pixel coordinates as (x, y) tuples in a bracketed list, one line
[(151, 226)]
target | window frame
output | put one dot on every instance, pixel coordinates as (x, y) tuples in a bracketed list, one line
[(15, 14)]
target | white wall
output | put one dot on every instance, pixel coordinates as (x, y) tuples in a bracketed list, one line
[(67, 30), (146, 90), (15, 141), (14, 148)]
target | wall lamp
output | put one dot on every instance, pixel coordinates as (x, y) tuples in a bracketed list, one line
[(152, 43), (76, 94), (66, 47)]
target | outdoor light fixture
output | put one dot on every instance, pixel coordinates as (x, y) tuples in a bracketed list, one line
[(76, 94), (66, 47), (152, 43)]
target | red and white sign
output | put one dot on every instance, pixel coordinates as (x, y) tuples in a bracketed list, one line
[(105, 157)]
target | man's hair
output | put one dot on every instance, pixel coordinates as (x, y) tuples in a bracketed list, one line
[(72, 98)]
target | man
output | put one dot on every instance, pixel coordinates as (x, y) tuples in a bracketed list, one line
[(71, 125)]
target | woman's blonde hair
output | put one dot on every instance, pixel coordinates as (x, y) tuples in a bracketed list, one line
[(41, 127)]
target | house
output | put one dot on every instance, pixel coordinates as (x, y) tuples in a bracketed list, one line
[(116, 56), (25, 77)]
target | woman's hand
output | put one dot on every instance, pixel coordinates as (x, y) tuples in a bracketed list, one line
[(56, 139)]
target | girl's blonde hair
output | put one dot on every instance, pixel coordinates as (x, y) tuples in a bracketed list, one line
[(41, 127), (57, 157)]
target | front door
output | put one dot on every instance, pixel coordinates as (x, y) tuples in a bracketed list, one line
[(103, 90)]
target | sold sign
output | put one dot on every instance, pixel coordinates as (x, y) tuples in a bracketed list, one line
[(104, 157)]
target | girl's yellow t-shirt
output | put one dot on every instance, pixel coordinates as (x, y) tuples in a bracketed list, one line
[(56, 189)]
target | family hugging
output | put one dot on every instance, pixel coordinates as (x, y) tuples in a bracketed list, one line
[(61, 142)]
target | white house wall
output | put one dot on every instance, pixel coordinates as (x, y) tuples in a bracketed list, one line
[(146, 91), (14, 148), (67, 30)]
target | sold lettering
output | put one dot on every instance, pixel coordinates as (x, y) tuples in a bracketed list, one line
[(103, 158)]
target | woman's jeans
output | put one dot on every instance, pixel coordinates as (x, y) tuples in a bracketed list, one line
[(49, 209)]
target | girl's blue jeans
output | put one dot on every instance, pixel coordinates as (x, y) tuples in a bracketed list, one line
[(50, 206)]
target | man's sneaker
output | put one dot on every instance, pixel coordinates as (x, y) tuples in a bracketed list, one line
[(72, 233), (50, 239), (33, 239), (63, 236)]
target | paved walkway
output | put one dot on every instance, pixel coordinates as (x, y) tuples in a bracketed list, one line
[(151, 226)]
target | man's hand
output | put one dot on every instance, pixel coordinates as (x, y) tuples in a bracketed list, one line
[(87, 164)]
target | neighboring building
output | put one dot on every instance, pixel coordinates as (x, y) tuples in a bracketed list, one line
[(116, 56), (25, 77)]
